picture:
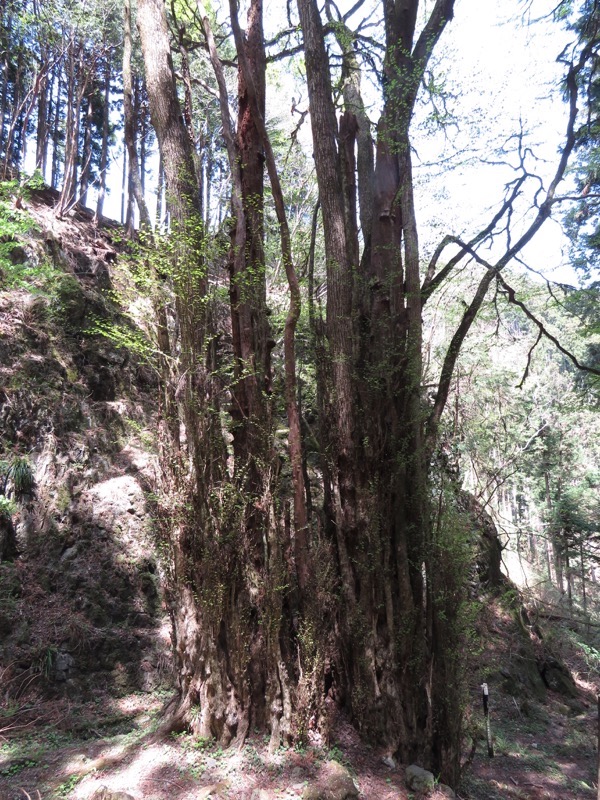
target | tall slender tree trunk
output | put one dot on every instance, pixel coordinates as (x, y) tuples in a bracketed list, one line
[(12, 144), (86, 165), (104, 147), (43, 119), (254, 140), (4, 110), (208, 178), (124, 187), (131, 117), (553, 537), (160, 194), (583, 578), (568, 569), (143, 126), (205, 560), (79, 69), (231, 629), (56, 132), (71, 135)]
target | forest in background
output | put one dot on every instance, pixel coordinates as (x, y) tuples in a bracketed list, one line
[(332, 404)]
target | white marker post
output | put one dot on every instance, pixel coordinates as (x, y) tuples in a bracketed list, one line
[(486, 714)]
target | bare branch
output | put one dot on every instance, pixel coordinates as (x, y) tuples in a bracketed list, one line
[(218, 70), (529, 354), (353, 10), (452, 355), (544, 211), (512, 298), (431, 283), (442, 13)]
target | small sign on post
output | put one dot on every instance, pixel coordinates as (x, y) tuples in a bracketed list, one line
[(486, 713)]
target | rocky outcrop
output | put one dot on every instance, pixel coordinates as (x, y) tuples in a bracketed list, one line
[(80, 602), (486, 540)]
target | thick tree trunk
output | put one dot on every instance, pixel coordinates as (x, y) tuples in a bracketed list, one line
[(394, 658), (188, 110), (225, 601)]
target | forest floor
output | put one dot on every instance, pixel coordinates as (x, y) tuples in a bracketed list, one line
[(542, 749)]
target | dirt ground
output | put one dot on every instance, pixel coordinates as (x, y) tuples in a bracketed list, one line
[(551, 753)]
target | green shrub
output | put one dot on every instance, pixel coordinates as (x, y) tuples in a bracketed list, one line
[(7, 507), (22, 476), (18, 472)]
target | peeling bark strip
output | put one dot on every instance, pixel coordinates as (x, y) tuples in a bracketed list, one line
[(295, 435)]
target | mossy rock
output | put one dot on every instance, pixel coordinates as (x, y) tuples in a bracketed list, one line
[(523, 677), (10, 583), (108, 794), (7, 618), (557, 677), (69, 304), (149, 586), (17, 254), (8, 540)]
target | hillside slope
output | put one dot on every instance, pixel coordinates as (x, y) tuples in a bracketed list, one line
[(80, 610)]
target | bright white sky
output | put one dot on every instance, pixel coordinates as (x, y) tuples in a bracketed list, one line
[(498, 61), (500, 72), (506, 78)]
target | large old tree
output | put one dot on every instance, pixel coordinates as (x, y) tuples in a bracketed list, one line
[(274, 611)]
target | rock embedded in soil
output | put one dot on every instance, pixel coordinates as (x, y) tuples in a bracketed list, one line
[(419, 779), (333, 783), (557, 677), (443, 792), (297, 775), (107, 794)]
